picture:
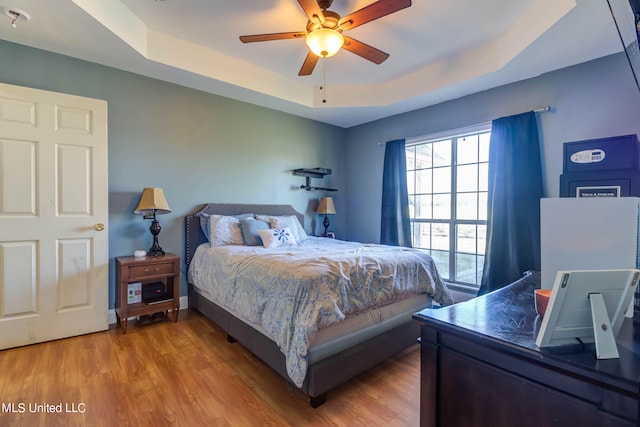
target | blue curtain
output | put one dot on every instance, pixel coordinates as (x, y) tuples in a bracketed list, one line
[(395, 227), (515, 189)]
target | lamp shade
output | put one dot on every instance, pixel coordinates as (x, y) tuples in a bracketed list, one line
[(326, 206), (325, 42), (152, 199)]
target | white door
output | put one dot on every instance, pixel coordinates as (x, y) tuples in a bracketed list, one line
[(53, 216)]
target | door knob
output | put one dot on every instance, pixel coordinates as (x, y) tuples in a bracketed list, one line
[(99, 227)]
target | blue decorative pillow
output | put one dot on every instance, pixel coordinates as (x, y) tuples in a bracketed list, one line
[(250, 227), (274, 237)]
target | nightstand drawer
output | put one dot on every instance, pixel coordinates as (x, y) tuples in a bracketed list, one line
[(142, 271)]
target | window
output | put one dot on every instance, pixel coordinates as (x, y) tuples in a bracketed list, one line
[(447, 179)]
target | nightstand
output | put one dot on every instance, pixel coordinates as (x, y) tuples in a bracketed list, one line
[(162, 271)]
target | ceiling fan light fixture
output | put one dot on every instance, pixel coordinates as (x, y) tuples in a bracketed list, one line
[(325, 42)]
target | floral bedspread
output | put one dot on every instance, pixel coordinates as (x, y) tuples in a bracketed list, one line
[(293, 291)]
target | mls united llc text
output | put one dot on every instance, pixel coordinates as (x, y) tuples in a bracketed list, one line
[(52, 408)]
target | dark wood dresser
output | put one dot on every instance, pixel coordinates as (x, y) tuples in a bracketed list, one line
[(480, 367)]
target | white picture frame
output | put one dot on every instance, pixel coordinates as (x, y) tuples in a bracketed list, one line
[(588, 306)]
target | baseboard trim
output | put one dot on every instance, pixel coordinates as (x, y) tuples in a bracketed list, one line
[(184, 304)]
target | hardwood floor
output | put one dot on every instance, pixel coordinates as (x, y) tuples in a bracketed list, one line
[(186, 374)]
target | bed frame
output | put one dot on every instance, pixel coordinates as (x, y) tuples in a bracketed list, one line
[(324, 374)]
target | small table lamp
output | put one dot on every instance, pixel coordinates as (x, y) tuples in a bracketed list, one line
[(152, 202), (326, 207)]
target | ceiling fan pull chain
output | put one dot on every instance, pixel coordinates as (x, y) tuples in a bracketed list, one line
[(323, 87)]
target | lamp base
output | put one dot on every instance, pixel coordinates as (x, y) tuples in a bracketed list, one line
[(326, 224), (155, 251), (155, 228)]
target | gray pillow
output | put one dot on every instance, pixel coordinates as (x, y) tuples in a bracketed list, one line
[(204, 222), (250, 227)]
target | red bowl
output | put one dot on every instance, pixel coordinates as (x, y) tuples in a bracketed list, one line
[(541, 300)]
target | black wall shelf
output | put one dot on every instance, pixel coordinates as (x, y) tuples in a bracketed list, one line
[(313, 173)]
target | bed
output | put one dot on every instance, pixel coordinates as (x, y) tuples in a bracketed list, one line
[(318, 311)]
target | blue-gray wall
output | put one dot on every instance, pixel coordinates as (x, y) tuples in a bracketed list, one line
[(204, 148), (198, 147), (591, 100)]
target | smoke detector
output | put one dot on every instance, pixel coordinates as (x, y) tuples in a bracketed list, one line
[(16, 15)]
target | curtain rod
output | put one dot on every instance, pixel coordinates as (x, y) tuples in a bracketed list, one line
[(544, 109)]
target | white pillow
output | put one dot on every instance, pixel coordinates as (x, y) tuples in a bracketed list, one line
[(224, 230), (286, 221), (274, 237)]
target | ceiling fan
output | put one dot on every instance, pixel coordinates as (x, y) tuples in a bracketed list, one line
[(324, 31)]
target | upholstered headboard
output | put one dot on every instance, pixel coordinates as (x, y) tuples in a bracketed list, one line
[(195, 237)]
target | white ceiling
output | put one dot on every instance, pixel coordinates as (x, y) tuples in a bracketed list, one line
[(439, 50)]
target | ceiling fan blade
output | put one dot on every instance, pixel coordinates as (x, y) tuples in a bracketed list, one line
[(364, 50), (373, 11), (312, 10), (273, 36), (309, 64)]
